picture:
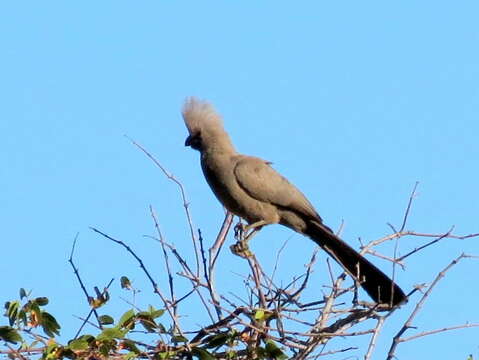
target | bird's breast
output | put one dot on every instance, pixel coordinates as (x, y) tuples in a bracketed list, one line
[(219, 173)]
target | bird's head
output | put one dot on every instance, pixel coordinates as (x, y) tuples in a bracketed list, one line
[(205, 127)]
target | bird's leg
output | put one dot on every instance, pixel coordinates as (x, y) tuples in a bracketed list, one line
[(243, 234), (239, 230), (252, 229)]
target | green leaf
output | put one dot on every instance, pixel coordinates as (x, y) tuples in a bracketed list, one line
[(161, 329), (22, 316), (154, 313), (260, 352), (49, 324), (166, 355), (106, 320), (129, 356), (12, 311), (125, 283), (32, 345), (41, 301), (127, 320), (231, 354), (52, 352), (107, 345), (157, 313), (78, 344), (178, 339), (111, 333), (68, 353), (9, 334), (202, 354), (274, 352), (217, 340), (147, 321), (131, 346), (87, 337), (33, 307), (149, 326), (23, 293)]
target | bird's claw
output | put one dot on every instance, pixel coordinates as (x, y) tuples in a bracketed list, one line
[(240, 231), (241, 249)]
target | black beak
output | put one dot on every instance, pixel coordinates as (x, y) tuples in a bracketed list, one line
[(188, 140)]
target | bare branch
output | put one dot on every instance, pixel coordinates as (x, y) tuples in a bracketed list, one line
[(428, 244), (408, 324), (155, 286), (88, 297), (408, 209), (166, 259), (372, 342), (431, 332), (183, 197)]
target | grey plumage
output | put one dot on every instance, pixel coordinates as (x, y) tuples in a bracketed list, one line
[(251, 189)]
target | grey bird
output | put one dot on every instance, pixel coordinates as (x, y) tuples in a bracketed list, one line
[(250, 188)]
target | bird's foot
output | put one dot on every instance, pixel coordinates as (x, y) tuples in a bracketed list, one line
[(240, 231), (241, 249), (246, 232)]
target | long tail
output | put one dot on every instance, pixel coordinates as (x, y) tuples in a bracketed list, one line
[(377, 284)]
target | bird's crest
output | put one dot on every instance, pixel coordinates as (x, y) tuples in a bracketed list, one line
[(199, 115)]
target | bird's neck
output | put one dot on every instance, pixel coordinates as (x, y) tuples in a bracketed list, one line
[(220, 146)]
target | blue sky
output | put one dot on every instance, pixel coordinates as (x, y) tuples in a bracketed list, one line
[(353, 101)]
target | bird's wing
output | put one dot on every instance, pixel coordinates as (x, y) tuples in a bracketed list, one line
[(259, 180)]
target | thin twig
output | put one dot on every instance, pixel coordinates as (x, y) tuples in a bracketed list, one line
[(195, 280), (372, 342), (408, 324), (183, 197), (431, 332), (214, 251), (427, 244), (166, 259), (256, 271), (155, 286), (408, 209), (331, 352), (396, 235), (93, 310), (77, 274)]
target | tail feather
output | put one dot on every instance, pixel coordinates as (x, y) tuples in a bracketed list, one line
[(377, 284)]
